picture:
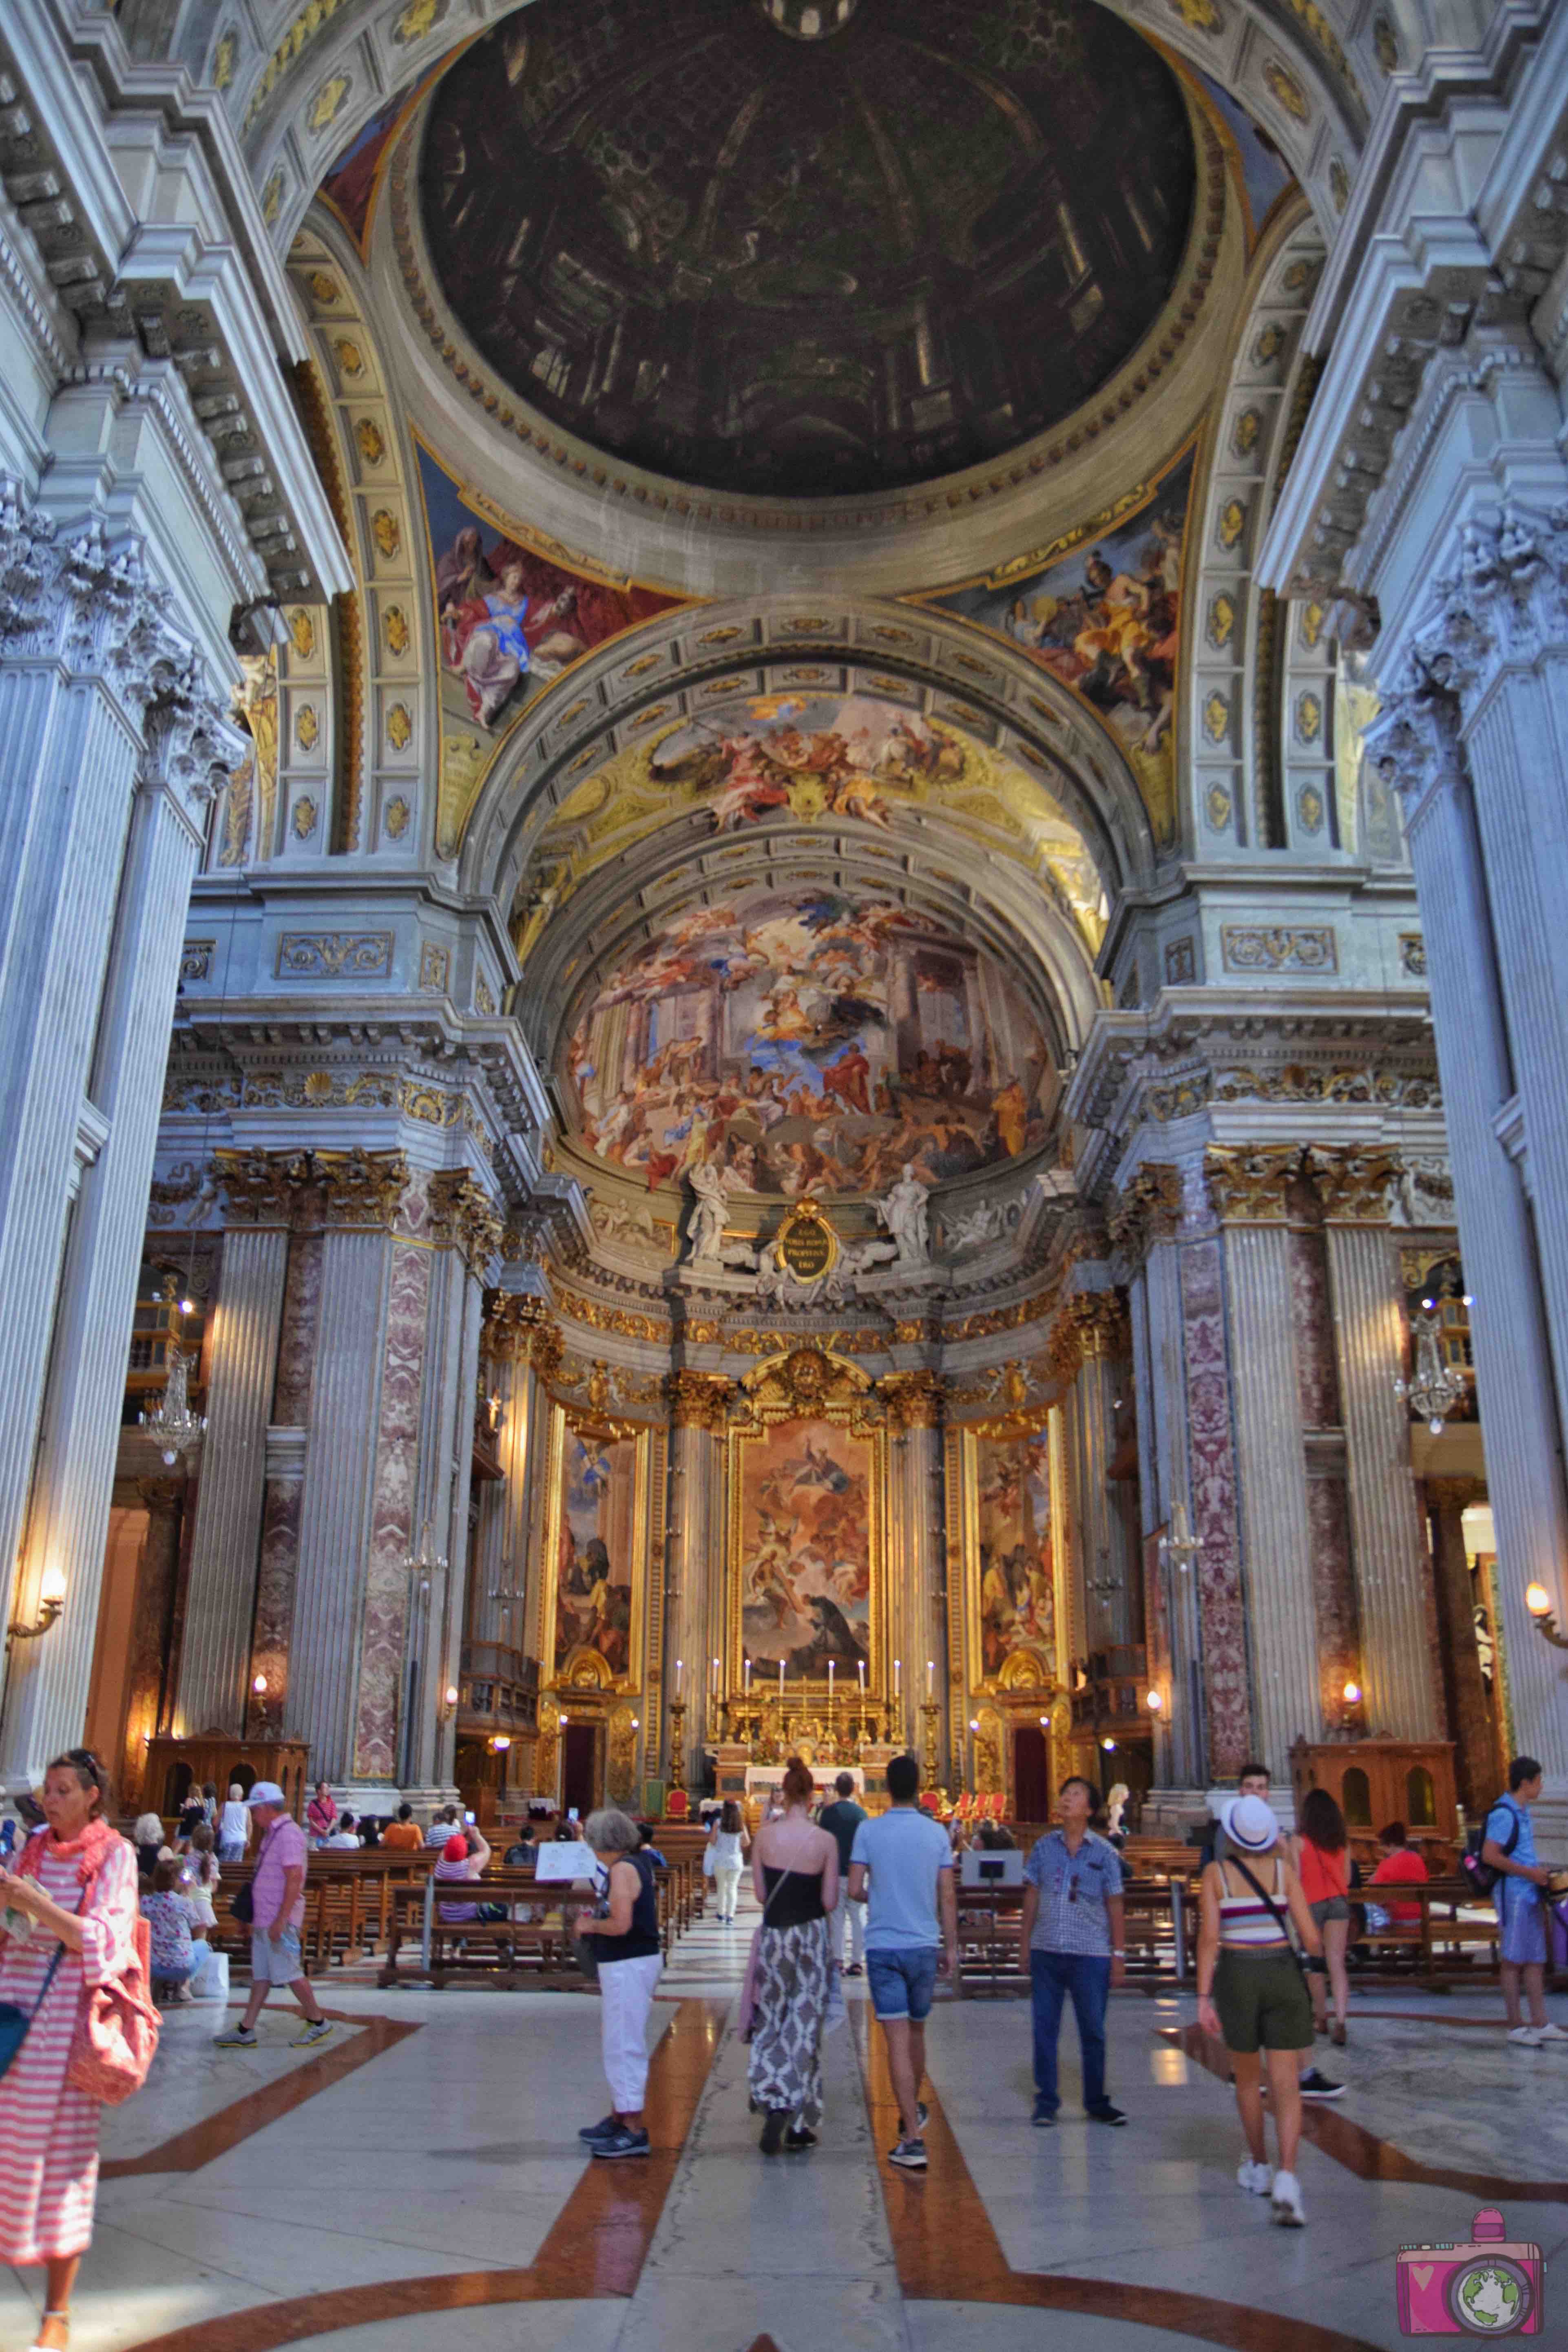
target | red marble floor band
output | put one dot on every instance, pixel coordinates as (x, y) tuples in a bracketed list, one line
[(204, 2142), (947, 2251), (1363, 2153), (595, 2247)]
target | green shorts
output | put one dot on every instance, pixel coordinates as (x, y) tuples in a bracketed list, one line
[(1263, 2002)]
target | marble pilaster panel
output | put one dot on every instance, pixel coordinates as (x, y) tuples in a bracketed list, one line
[(297, 1334), (1334, 1607), (278, 1569), (214, 1667), (73, 1470), (336, 1508), (1316, 1375), (1394, 1594), (392, 1531), (70, 766), (1215, 1510), (1271, 1464)]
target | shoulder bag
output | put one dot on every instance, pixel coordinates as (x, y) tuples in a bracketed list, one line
[(15, 2021), (1280, 1918), (117, 2032)]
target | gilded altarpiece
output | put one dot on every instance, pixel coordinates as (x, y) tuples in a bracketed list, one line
[(1009, 1596), (806, 1469), (599, 1621)]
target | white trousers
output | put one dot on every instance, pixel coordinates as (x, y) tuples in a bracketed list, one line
[(727, 1887), (626, 1996), (857, 1928)]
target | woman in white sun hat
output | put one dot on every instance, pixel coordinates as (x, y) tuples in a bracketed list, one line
[(1252, 1993)]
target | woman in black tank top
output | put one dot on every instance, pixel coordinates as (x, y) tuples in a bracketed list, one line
[(795, 1868)]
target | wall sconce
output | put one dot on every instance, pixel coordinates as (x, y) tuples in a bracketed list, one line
[(500, 1743), (1108, 1745), (259, 1686), (451, 1694), (1351, 1693), (51, 1600), (1154, 1702), (1538, 1601)]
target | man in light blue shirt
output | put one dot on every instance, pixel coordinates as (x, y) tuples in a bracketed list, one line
[(903, 1863)]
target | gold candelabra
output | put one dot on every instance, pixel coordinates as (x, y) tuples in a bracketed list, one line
[(677, 1743), (929, 1711)]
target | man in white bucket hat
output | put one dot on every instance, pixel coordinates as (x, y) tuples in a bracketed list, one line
[(1252, 1994)]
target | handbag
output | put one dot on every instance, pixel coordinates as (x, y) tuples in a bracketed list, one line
[(117, 2033), (15, 2021)]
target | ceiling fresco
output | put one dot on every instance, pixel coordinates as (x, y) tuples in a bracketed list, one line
[(758, 761), (806, 1041), (807, 268), (513, 611), (1104, 619)]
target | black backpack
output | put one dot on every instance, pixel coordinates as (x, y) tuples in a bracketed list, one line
[(1482, 1876)]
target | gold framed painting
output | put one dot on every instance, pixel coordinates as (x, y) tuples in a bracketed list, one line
[(808, 1515), (1007, 1514), (598, 1525)]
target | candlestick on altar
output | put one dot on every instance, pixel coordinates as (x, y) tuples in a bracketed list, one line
[(746, 1677), (781, 1681), (679, 1670), (677, 1743), (930, 1669), (928, 1743), (898, 1670)]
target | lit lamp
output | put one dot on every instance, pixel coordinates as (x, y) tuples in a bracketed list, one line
[(259, 1686), (1351, 1693), (51, 1600), (1538, 1601), (500, 1743), (1154, 1702), (1108, 1745)]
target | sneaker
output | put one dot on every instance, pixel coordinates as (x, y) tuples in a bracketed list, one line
[(1527, 2036), (1043, 2116), (909, 2155), (1288, 2209), (620, 2142), (923, 2117), (1257, 2179), (606, 2128), (855, 1970), (1550, 2033), (1105, 2114), (797, 2137), (1316, 2084), (237, 2038), (317, 2031)]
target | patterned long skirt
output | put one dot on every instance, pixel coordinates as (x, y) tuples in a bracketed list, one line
[(794, 1977)]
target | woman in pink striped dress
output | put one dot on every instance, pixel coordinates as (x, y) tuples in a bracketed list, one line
[(76, 1882)]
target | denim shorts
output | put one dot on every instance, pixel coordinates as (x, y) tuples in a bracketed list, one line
[(902, 1984)]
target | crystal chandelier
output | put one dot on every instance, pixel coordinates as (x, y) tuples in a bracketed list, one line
[(174, 1428), (1436, 1387), (1179, 1547)]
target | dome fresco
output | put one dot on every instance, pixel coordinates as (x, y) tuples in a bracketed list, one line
[(798, 267), (807, 1040)]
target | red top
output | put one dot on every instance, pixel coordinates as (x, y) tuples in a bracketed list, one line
[(1403, 1863), (1323, 1874)]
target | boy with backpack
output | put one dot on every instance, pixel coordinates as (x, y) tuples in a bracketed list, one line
[(1508, 1850)]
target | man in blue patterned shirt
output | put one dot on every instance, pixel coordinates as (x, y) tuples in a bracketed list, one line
[(1072, 1929)]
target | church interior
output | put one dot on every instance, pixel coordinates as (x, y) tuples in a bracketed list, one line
[(781, 978)]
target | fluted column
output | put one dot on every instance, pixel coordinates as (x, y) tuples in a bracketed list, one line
[(335, 1510), (220, 1601), (1271, 1465), (696, 1543), (1393, 1586), (917, 1539), (1419, 745), (1172, 1630), (1478, 1766), (46, 1703)]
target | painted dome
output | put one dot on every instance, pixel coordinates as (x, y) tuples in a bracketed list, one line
[(807, 268)]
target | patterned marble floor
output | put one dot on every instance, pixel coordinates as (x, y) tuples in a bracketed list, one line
[(417, 2183)]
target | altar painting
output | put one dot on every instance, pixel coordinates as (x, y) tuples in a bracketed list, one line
[(597, 1541), (808, 1042), (805, 1537), (1014, 1561)]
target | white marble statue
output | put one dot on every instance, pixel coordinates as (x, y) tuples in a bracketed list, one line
[(705, 1234), (907, 1218)]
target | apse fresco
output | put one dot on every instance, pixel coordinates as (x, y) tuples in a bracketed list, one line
[(593, 1572), (806, 1549), (1017, 1606), (797, 268), (509, 617), (808, 1042), (1104, 620)]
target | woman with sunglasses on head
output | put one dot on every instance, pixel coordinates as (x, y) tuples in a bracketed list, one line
[(70, 1907)]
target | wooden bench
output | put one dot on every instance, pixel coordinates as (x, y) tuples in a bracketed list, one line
[(1159, 1923), (1441, 1946)]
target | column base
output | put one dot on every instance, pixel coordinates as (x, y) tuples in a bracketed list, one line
[(1548, 1819), (1171, 1812)]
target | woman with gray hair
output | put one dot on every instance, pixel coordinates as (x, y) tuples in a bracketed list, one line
[(626, 1944)]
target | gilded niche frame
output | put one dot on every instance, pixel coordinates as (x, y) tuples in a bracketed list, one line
[(1016, 1675), (584, 1670), (808, 1384)]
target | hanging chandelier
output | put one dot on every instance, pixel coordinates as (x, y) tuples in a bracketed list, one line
[(174, 1428), (1438, 1387)]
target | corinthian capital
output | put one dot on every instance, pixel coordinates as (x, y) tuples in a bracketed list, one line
[(700, 1400), (361, 1188), (262, 1188), (1148, 1209), (914, 1400), (1355, 1187), (1248, 1187), (467, 1215)]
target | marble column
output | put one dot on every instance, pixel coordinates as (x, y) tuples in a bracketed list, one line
[(1478, 1768), (221, 1599), (152, 1620), (1418, 744), (1393, 1586), (697, 1549), (1111, 1605), (917, 1539), (1171, 1612), (1272, 1468), (73, 1470)]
